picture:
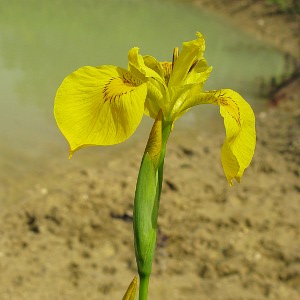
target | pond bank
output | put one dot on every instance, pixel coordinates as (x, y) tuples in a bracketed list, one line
[(262, 19)]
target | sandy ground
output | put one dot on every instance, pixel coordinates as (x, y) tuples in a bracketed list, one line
[(71, 235)]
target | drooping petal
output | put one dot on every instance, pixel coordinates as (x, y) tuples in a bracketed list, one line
[(239, 122), (230, 163), (191, 52), (99, 106)]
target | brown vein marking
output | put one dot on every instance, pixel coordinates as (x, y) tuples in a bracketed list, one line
[(116, 87), (213, 97), (236, 118), (129, 80), (224, 101), (193, 66), (175, 56)]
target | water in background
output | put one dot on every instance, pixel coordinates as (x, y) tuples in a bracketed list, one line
[(43, 41)]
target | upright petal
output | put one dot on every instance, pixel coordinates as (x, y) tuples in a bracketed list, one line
[(199, 73), (99, 106), (191, 52), (149, 68), (239, 122)]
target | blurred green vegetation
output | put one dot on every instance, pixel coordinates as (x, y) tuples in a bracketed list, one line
[(286, 6)]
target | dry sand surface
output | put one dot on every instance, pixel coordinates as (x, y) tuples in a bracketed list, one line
[(71, 235)]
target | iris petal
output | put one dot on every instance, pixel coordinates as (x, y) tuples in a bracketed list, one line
[(153, 64), (137, 64), (154, 101), (191, 52), (99, 106), (239, 122)]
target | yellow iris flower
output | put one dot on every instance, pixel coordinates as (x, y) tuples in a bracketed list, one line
[(104, 105)]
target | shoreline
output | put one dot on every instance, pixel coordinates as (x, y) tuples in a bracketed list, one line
[(261, 20)]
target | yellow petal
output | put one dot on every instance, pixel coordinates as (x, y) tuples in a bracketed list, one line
[(191, 52), (157, 94), (153, 64), (229, 162), (200, 73), (155, 99), (151, 69), (179, 94), (137, 64), (239, 122), (99, 106)]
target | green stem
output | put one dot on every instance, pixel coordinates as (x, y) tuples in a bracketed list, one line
[(146, 205), (166, 130), (143, 290)]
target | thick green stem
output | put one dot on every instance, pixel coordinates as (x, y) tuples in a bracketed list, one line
[(166, 130), (143, 290), (146, 203)]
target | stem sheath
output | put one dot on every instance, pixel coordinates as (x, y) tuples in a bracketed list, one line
[(147, 199)]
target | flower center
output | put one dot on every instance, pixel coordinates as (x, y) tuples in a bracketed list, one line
[(168, 66), (167, 69)]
